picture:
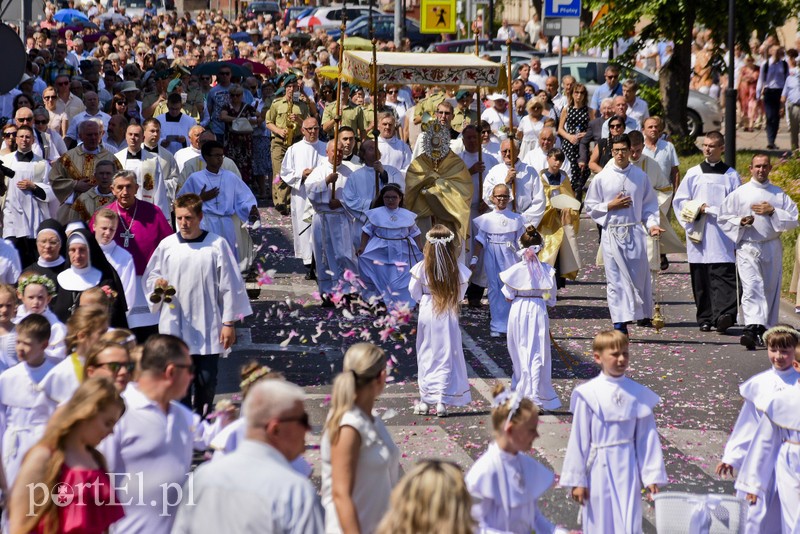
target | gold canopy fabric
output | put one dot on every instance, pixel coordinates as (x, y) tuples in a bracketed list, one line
[(442, 192), (558, 228)]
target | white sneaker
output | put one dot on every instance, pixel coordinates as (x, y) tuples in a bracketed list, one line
[(421, 408), (441, 410)]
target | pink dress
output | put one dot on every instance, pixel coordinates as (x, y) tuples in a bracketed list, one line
[(87, 503)]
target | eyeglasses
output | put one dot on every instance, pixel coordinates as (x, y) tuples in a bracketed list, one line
[(161, 293), (53, 97), (41, 122), (304, 420), (615, 125), (116, 367), (392, 91), (620, 150), (578, 92), (62, 83), (9, 134), (502, 197), (612, 76), (188, 366), (507, 151), (24, 119), (315, 128)]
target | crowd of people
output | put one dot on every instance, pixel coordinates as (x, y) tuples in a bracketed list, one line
[(134, 165)]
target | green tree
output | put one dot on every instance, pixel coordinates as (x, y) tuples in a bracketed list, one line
[(676, 20)]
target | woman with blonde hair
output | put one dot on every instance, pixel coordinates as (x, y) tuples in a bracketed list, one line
[(432, 498), (438, 284), (360, 462), (67, 456)]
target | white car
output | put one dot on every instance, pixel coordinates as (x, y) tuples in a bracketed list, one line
[(330, 17), (703, 113)]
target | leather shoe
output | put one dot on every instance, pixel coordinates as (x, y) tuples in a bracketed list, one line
[(724, 322), (645, 322), (705, 327), (664, 262), (748, 340)]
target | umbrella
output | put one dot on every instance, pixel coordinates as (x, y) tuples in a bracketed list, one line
[(357, 43), (258, 68), (78, 26), (241, 37), (68, 15), (309, 22), (212, 68)]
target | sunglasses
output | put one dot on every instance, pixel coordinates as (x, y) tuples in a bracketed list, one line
[(49, 97), (160, 293), (62, 83), (615, 126), (116, 367), (40, 122), (612, 77), (392, 91), (302, 419), (25, 119), (9, 134)]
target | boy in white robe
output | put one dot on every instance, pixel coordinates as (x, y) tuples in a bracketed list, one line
[(333, 245), (301, 158), (498, 234), (209, 294), (711, 251), (527, 193), (29, 197), (147, 167), (757, 392), (613, 448), (359, 192), (622, 201), (774, 453), (224, 195), (24, 407), (105, 228), (757, 213)]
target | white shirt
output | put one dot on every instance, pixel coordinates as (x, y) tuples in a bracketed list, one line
[(530, 200), (664, 154), (537, 159), (394, 153), (147, 451)]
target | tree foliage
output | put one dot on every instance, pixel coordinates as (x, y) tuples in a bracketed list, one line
[(676, 20)]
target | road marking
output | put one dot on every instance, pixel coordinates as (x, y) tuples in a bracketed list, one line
[(486, 361), (245, 342)]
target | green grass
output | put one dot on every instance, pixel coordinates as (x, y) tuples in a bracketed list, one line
[(784, 175)]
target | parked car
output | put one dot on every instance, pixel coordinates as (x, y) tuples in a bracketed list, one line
[(254, 9), (703, 113), (135, 8), (330, 17), (468, 45), (501, 56), (296, 13), (384, 31)]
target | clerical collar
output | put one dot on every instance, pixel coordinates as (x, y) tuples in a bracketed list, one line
[(170, 118), (129, 208), (46, 263), (152, 150), (197, 239), (131, 155), (95, 151), (25, 156), (719, 167), (758, 184)]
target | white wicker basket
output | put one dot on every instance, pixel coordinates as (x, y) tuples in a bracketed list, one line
[(691, 513)]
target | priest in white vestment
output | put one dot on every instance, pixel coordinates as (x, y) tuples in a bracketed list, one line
[(527, 193), (394, 151), (359, 192), (301, 158), (758, 212), (175, 125), (333, 244), (147, 167), (537, 157), (621, 200)]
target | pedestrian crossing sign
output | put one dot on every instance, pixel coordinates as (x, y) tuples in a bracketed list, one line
[(438, 16)]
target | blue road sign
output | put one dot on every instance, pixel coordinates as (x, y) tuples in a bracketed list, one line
[(562, 8)]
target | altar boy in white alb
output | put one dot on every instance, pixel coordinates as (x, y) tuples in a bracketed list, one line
[(301, 158), (758, 212), (622, 201), (613, 447), (146, 166)]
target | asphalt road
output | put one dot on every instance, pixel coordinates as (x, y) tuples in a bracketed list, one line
[(696, 374)]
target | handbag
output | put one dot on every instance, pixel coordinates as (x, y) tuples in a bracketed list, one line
[(241, 125)]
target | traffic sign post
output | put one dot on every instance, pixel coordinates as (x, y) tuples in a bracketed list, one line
[(562, 8), (561, 18), (437, 16)]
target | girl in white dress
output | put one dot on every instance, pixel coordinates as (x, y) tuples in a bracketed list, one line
[(497, 234), (530, 286), (36, 291), (530, 126), (8, 337), (360, 462), (505, 482), (438, 283), (388, 248)]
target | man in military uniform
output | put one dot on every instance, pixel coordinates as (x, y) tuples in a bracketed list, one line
[(284, 119), (74, 172), (352, 115), (429, 104), (464, 112), (151, 101)]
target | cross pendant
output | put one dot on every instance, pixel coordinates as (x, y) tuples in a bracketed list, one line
[(127, 236)]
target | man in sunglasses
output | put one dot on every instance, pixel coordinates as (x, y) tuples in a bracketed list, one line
[(610, 88), (256, 484)]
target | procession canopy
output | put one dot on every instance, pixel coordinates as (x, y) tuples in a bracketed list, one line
[(464, 70)]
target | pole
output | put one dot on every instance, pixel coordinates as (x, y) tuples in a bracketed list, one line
[(338, 117), (373, 71), (398, 22), (511, 134), (478, 117), (560, 57), (730, 92)]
